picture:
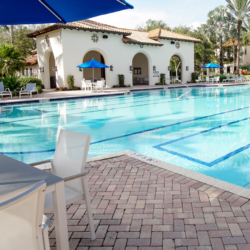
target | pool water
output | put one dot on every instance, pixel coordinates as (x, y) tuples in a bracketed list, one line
[(206, 130)]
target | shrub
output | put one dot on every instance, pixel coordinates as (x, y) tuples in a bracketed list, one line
[(31, 79), (121, 80), (70, 80), (193, 77), (222, 77), (63, 88), (13, 83), (162, 79)]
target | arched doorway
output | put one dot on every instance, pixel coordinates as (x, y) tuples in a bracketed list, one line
[(175, 67), (98, 73), (52, 71), (140, 69)]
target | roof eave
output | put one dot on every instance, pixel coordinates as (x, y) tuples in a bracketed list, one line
[(179, 39), (141, 43), (61, 26)]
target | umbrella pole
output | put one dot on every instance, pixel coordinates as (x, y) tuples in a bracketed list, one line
[(93, 74)]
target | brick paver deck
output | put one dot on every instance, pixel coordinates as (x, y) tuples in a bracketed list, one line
[(139, 206)]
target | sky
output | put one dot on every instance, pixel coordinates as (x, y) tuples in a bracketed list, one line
[(172, 12)]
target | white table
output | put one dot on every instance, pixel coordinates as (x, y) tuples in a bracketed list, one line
[(15, 175)]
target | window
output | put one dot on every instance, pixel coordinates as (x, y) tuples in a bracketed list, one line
[(245, 51), (27, 72), (30, 71), (137, 71), (23, 72)]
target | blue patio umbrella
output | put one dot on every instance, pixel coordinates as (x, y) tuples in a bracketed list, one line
[(212, 65), (92, 64), (55, 11)]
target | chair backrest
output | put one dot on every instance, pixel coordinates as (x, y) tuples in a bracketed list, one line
[(99, 84), (207, 78), (30, 86), (70, 156), (83, 83), (21, 214), (241, 76), (233, 76), (228, 77), (104, 83), (217, 78), (199, 78), (1, 86)]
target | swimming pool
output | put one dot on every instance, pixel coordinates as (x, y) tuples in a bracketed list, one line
[(207, 130)]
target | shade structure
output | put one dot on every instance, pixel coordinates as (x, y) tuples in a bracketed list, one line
[(212, 65), (92, 64), (56, 11)]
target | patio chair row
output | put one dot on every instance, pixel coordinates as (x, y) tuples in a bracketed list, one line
[(21, 212), (234, 78), (30, 88)]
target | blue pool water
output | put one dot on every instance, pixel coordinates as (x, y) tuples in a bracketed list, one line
[(207, 130)]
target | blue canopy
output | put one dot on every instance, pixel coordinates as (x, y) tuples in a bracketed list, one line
[(92, 64), (56, 11), (212, 65)]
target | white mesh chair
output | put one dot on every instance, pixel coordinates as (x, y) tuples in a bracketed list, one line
[(4, 91), (21, 216), (99, 85), (30, 88), (86, 85), (104, 83), (69, 163)]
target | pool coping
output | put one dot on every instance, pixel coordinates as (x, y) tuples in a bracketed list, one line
[(214, 182)]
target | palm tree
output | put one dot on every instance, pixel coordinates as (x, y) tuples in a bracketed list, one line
[(11, 59), (232, 33), (241, 9), (217, 23)]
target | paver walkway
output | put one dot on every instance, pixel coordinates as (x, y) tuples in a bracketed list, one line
[(139, 206)]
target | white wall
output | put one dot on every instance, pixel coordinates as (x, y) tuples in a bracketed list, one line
[(43, 54), (70, 48)]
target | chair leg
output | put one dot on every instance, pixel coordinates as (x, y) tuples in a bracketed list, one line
[(46, 239), (88, 206)]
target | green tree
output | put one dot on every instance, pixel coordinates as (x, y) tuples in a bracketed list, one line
[(241, 10), (23, 43), (153, 24), (11, 59), (217, 23)]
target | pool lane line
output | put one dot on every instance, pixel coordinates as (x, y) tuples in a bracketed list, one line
[(135, 133), (208, 164)]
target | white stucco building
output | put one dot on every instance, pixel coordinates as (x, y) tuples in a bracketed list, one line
[(140, 56)]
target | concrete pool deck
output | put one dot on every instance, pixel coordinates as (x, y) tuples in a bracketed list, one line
[(140, 203), (52, 95)]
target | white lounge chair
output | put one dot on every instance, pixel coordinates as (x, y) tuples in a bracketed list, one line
[(21, 216), (30, 88), (5, 91), (86, 85), (69, 163), (99, 85), (242, 79), (227, 80)]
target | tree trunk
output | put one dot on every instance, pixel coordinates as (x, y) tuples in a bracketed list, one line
[(12, 34), (233, 57), (221, 56), (238, 47)]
